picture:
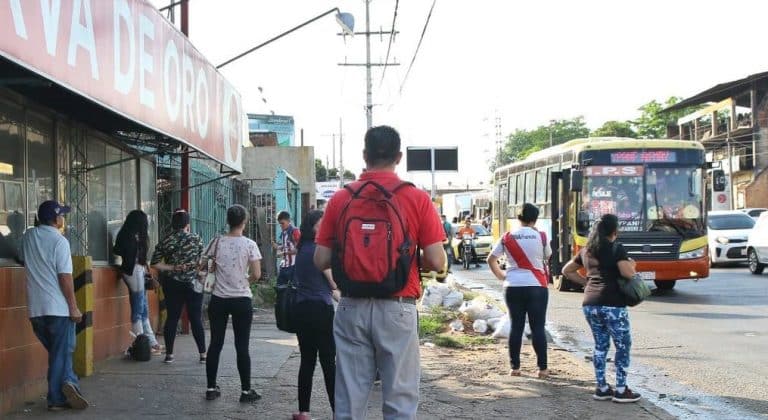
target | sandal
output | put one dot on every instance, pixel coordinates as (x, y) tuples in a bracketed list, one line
[(514, 372), (544, 374), (301, 416)]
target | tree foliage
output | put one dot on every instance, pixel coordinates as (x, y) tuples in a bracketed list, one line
[(321, 173), (652, 123), (615, 129), (522, 143)]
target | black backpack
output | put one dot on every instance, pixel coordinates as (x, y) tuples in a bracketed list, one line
[(140, 350)]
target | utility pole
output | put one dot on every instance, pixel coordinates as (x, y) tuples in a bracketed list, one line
[(368, 65), (498, 138)]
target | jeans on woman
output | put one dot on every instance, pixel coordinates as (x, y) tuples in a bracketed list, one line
[(219, 310), (530, 300), (177, 295), (139, 306), (609, 322), (315, 334)]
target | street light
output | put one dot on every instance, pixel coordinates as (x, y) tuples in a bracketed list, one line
[(345, 20)]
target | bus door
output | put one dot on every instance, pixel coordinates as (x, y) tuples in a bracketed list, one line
[(561, 232)]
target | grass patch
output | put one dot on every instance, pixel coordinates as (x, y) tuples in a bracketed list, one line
[(470, 295), (461, 341), (265, 291), (432, 323)]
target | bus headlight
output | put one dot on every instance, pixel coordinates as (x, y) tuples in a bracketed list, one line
[(722, 240), (696, 253)]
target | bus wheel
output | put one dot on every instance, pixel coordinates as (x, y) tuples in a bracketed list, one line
[(560, 283), (665, 285)]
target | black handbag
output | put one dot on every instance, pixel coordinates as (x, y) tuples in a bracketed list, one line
[(285, 306), (634, 289)]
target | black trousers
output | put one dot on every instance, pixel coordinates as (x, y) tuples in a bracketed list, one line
[(219, 311), (530, 300), (315, 334), (178, 294)]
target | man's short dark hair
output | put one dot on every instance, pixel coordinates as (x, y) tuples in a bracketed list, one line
[(236, 215), (382, 144), (179, 220), (283, 215), (529, 213)]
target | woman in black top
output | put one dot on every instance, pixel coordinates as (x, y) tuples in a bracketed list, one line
[(132, 244), (316, 291), (605, 308)]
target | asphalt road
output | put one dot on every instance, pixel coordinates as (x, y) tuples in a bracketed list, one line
[(700, 350)]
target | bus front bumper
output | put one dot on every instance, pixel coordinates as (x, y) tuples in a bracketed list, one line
[(695, 268)]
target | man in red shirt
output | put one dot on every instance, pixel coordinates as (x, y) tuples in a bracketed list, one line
[(381, 333)]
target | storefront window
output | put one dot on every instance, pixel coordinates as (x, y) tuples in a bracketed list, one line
[(12, 210), (40, 167), (148, 197)]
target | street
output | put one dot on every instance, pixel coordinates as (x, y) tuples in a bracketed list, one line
[(698, 350)]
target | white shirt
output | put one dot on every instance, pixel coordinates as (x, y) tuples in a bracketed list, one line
[(46, 254), (529, 240), (232, 259)]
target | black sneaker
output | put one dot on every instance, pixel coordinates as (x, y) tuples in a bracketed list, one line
[(249, 396), (74, 398), (168, 358), (59, 407), (628, 396), (603, 395), (212, 394)]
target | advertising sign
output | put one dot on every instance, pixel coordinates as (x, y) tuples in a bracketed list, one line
[(125, 56), (282, 125), (325, 190)]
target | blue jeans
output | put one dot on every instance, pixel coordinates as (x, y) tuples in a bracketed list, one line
[(139, 307), (608, 322), (57, 334), (531, 301)]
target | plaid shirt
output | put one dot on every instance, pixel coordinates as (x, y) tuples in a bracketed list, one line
[(179, 248)]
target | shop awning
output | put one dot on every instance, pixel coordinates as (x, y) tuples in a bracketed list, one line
[(123, 68)]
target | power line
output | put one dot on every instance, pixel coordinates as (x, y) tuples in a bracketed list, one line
[(391, 37), (415, 53)]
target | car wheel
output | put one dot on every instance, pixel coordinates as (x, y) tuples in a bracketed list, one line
[(665, 284), (755, 266)]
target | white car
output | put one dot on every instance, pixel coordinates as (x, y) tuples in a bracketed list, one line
[(754, 212), (727, 232), (757, 245)]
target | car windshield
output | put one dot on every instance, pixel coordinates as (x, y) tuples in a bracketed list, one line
[(730, 221), (478, 228)]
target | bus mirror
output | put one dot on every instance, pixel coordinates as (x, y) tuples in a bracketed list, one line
[(577, 178)]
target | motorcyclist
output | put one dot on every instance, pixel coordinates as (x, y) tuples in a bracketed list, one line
[(467, 230)]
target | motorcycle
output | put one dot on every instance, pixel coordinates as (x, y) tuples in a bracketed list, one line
[(466, 248)]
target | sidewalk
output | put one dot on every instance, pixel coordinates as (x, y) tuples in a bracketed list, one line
[(457, 384)]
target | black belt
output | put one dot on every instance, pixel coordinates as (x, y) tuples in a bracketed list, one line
[(408, 300)]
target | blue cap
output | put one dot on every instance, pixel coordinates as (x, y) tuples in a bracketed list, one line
[(49, 210)]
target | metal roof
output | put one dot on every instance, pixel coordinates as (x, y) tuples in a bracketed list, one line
[(720, 92)]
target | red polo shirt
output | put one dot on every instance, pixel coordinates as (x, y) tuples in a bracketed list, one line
[(423, 222)]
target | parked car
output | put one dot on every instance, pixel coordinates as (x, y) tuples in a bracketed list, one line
[(754, 212), (483, 242), (728, 231), (757, 245)]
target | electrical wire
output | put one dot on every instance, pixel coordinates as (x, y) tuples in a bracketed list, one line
[(418, 46), (391, 37)]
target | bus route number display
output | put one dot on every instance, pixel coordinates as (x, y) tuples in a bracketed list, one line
[(646, 156)]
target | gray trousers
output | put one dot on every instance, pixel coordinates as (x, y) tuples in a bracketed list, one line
[(371, 335)]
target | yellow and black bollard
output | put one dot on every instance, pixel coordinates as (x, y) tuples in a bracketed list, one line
[(83, 279)]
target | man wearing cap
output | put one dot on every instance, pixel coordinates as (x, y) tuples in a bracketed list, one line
[(51, 302)]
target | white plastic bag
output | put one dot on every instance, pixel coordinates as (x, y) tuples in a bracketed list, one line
[(502, 329), (453, 299), (457, 325), (439, 288), (480, 326), (478, 308), (431, 298), (493, 323)]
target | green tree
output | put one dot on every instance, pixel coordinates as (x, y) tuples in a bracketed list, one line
[(333, 173), (653, 121), (522, 143), (321, 173), (615, 129)]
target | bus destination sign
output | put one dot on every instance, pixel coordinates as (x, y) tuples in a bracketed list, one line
[(645, 156)]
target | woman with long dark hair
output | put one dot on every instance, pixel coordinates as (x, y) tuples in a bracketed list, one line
[(604, 306), (316, 292), (238, 264), (132, 244)]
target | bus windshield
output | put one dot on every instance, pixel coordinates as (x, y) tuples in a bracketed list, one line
[(645, 198)]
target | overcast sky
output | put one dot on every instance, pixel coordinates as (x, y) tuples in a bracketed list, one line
[(527, 61)]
